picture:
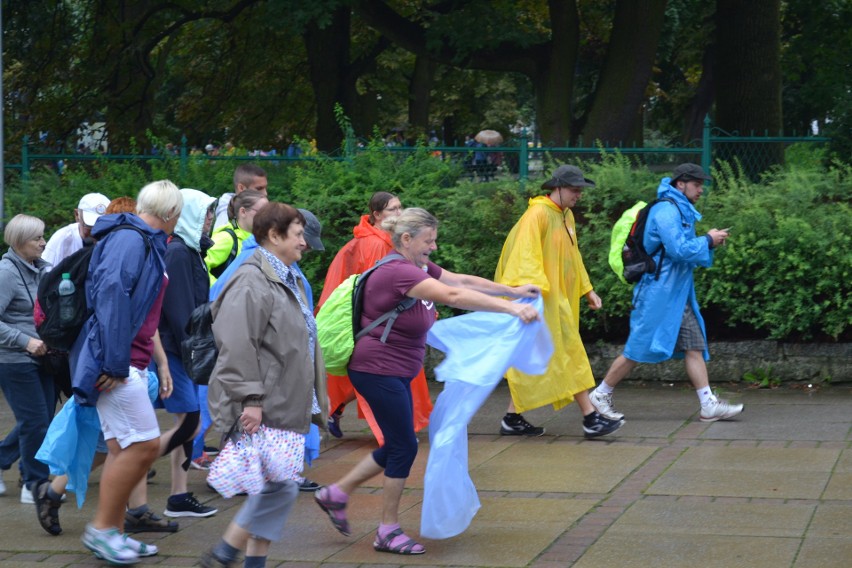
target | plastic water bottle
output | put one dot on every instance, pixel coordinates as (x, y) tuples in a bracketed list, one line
[(67, 309)]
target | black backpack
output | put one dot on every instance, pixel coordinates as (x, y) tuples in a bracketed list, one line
[(48, 325), (637, 261), (198, 351)]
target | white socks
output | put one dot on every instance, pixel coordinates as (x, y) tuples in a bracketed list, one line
[(705, 395), (604, 388)]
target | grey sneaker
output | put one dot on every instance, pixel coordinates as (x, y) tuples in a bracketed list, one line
[(109, 545), (719, 410), (603, 404)]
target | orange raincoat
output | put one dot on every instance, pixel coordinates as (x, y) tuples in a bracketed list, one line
[(369, 245)]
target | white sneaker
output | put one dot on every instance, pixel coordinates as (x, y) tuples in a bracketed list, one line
[(719, 410), (26, 496), (140, 548), (109, 545), (2, 485), (603, 404)]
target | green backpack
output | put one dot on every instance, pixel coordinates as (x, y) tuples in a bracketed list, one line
[(620, 232), (339, 319)]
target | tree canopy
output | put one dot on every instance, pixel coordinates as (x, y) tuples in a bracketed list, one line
[(259, 72)]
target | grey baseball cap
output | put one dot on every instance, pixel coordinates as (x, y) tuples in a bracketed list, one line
[(567, 176), (313, 230), (687, 172)]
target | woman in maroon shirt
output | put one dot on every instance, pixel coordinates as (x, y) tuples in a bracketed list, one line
[(382, 372)]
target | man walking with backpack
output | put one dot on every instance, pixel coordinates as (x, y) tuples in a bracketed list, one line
[(665, 321)]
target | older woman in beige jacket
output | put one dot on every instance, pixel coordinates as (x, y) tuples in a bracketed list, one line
[(269, 371)]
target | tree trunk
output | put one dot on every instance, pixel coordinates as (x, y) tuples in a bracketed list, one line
[(549, 65), (553, 80), (620, 92), (420, 92), (328, 60), (748, 72), (702, 102)]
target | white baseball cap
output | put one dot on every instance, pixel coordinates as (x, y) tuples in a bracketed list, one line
[(92, 206)]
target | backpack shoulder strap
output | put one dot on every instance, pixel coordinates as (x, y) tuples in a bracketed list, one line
[(233, 254), (389, 316)]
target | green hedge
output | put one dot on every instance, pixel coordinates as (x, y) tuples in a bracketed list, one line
[(784, 273)]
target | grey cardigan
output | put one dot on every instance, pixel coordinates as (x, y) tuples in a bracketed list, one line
[(18, 288)]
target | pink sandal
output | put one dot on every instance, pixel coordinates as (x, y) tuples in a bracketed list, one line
[(336, 510), (408, 547)]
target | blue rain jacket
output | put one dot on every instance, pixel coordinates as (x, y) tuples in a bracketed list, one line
[(480, 346), (658, 305), (121, 287)]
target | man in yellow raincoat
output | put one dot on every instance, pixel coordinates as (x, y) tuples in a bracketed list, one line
[(542, 249)]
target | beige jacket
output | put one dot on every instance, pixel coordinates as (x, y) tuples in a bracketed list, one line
[(263, 352)]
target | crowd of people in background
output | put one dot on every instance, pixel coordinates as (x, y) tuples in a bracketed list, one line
[(169, 251)]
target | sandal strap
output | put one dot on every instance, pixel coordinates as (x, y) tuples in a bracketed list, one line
[(401, 548), (328, 504)]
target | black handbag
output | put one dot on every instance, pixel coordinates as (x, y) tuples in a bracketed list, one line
[(198, 350)]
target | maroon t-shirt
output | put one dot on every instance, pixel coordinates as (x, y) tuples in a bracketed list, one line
[(142, 346), (402, 354)]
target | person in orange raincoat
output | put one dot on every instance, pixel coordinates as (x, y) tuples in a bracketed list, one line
[(370, 244)]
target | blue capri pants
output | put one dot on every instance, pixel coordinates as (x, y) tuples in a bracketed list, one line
[(390, 400)]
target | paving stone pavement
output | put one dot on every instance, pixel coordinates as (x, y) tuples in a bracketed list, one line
[(772, 488)]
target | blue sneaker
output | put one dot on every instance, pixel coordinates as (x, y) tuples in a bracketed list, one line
[(334, 425)]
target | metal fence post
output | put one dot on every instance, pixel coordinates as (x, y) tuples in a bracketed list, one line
[(183, 155), (523, 160), (706, 149)]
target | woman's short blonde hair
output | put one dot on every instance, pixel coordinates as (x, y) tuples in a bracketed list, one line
[(161, 199), (22, 228), (411, 221)]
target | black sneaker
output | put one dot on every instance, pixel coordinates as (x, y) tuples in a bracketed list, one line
[(308, 485), (189, 506), (211, 451), (595, 425), (515, 425)]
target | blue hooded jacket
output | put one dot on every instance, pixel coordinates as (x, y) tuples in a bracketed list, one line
[(121, 286), (658, 305)]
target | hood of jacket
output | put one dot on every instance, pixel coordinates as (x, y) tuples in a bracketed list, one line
[(107, 223), (668, 191), (191, 221), (365, 229)]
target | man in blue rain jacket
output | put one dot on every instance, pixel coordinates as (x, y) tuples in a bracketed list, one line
[(666, 321)]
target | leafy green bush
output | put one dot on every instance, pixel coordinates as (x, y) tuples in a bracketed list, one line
[(784, 273)]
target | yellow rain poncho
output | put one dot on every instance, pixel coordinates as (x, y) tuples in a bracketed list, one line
[(542, 249)]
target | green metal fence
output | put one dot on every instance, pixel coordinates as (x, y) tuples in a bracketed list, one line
[(523, 160)]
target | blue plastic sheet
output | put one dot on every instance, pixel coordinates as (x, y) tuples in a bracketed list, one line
[(69, 445), (480, 347)]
